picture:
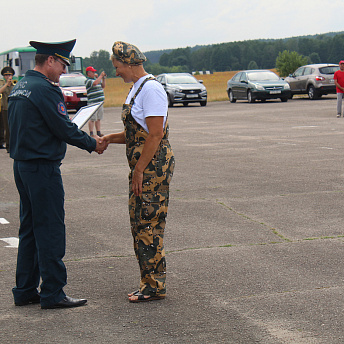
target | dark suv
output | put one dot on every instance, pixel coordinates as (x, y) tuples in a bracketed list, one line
[(74, 90), (183, 88), (314, 79)]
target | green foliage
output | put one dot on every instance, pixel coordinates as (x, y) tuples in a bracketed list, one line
[(252, 65), (156, 68), (287, 62), (100, 60), (314, 58), (234, 56)]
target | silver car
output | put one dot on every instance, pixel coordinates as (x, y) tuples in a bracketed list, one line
[(314, 79), (183, 88)]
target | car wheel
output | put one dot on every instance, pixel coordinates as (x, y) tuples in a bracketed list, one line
[(231, 96), (284, 100), (204, 103), (185, 104), (249, 97), (312, 93), (170, 101)]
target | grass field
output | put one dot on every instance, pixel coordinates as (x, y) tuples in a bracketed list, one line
[(116, 90)]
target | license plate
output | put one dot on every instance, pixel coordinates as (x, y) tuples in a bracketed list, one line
[(275, 92), (191, 95), (83, 99)]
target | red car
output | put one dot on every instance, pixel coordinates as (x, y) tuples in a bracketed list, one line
[(74, 90)]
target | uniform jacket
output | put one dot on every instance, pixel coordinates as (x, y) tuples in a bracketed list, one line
[(39, 123)]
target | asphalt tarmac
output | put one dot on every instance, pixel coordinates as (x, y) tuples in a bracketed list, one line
[(254, 235)]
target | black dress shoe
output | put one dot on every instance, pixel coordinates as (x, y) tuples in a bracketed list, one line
[(67, 302), (2, 147), (34, 299)]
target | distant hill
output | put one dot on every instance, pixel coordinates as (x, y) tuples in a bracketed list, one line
[(154, 55)]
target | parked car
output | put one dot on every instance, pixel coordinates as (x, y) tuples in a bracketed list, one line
[(183, 88), (314, 79), (74, 90), (257, 84)]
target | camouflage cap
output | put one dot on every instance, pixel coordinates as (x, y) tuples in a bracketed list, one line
[(128, 53)]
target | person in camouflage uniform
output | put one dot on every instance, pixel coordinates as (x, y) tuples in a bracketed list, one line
[(151, 163), (6, 87)]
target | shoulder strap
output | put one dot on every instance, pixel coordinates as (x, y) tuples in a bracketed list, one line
[(140, 88)]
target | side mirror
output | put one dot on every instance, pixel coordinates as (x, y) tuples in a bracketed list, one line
[(200, 81)]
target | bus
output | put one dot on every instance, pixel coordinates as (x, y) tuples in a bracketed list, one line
[(20, 59), (23, 59)]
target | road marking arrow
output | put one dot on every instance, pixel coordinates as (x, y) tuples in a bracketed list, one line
[(12, 242)]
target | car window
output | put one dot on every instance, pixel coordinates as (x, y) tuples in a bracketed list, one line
[(181, 79), (72, 81), (243, 77), (236, 77), (262, 76), (328, 69), (308, 71), (299, 71)]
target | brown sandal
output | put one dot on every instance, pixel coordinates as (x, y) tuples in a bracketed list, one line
[(134, 293), (142, 298)]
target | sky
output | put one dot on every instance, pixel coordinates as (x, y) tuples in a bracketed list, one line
[(161, 24)]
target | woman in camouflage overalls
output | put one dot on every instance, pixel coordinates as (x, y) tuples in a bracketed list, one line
[(151, 163)]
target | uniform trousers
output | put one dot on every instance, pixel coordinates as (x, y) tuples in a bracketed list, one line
[(42, 238), (2, 129), (6, 129)]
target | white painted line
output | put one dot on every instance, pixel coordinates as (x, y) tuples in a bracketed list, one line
[(305, 126), (3, 221), (12, 242)]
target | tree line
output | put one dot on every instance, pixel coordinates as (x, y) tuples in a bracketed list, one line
[(252, 54)]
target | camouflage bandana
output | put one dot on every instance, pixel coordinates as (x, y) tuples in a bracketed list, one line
[(128, 53)]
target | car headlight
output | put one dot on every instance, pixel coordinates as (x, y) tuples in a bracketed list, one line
[(178, 90), (286, 87), (259, 87), (68, 93)]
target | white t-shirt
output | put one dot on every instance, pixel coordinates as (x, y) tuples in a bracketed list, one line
[(151, 101)]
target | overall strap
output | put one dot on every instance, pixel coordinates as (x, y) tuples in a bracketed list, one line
[(140, 88)]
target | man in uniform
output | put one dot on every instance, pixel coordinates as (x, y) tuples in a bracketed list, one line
[(5, 89), (40, 128)]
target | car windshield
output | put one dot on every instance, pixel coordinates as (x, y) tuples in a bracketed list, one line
[(72, 81), (328, 69), (181, 79), (262, 76)]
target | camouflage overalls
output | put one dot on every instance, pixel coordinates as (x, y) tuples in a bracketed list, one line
[(148, 212)]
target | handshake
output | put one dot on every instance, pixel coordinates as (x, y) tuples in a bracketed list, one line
[(101, 144)]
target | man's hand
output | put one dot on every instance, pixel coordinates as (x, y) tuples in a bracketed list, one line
[(101, 144)]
